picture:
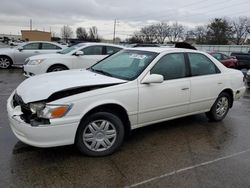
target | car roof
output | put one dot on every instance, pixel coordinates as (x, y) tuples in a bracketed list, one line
[(163, 49), (100, 43)]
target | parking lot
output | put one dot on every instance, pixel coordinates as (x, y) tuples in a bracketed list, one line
[(188, 152)]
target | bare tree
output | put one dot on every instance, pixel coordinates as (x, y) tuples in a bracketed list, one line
[(148, 34), (176, 32), (241, 29), (93, 34), (162, 31), (81, 33), (66, 33), (137, 37), (200, 34)]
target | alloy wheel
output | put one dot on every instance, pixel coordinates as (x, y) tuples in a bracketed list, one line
[(4, 63), (222, 106)]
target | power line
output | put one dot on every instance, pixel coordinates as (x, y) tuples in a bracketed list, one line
[(187, 5), (173, 15)]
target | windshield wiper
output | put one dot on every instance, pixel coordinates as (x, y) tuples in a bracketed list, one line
[(101, 72)]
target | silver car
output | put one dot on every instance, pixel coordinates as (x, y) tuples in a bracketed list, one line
[(17, 55)]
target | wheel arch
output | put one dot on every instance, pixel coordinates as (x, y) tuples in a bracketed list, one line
[(57, 64), (231, 94), (114, 108)]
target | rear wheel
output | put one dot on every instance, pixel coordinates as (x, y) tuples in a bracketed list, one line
[(220, 108), (5, 62), (100, 134), (57, 68)]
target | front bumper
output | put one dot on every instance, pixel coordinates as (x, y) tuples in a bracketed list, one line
[(239, 93), (32, 70), (59, 132)]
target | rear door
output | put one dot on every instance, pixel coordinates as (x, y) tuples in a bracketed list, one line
[(206, 82), (49, 48)]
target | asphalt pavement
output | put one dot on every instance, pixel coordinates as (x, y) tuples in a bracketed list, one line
[(187, 152)]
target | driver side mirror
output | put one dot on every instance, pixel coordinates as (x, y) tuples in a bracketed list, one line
[(79, 53), (20, 48), (153, 78)]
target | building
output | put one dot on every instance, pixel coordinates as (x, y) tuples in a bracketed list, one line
[(35, 35)]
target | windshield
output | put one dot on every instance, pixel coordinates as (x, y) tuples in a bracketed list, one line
[(126, 64), (70, 49)]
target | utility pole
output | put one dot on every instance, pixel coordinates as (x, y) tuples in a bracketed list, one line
[(30, 24), (114, 31)]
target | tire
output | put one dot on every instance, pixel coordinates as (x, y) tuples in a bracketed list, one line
[(56, 68), (5, 62), (91, 137), (220, 108)]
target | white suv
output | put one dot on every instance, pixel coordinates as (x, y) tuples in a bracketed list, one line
[(82, 55), (133, 88)]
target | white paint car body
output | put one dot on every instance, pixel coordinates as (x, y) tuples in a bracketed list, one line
[(144, 103), (67, 60)]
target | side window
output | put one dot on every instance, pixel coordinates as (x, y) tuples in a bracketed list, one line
[(201, 65), (217, 56), (31, 46), (225, 57), (171, 66), (111, 50), (48, 46), (93, 50)]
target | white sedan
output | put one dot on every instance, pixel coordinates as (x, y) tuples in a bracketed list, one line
[(82, 55), (95, 108)]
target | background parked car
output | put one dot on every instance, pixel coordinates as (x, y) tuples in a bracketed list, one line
[(17, 55), (81, 55), (243, 59), (228, 61), (247, 77)]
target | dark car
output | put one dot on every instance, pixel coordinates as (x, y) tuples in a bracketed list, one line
[(228, 61), (243, 59)]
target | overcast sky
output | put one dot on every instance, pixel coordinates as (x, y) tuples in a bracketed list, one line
[(131, 14)]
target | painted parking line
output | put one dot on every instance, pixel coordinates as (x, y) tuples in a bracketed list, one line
[(188, 168)]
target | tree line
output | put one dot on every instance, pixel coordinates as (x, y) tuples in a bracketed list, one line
[(81, 33), (218, 31)]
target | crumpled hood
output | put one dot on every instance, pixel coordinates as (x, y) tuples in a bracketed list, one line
[(42, 86), (46, 56)]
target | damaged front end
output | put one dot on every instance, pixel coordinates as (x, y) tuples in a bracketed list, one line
[(27, 115), (39, 113)]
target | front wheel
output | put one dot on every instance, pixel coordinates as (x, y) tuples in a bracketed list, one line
[(220, 108), (100, 134), (5, 62)]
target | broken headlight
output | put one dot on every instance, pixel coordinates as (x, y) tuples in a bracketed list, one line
[(49, 111)]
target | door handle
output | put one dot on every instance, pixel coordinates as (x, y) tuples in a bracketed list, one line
[(36, 52), (185, 88), (219, 83)]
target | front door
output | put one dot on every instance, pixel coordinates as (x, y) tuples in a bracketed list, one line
[(92, 55), (169, 99), (28, 50)]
